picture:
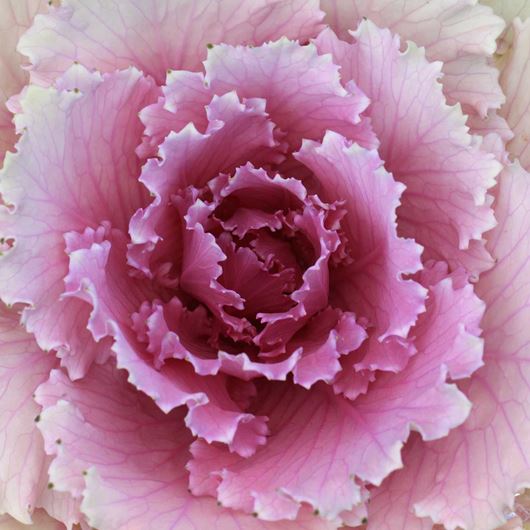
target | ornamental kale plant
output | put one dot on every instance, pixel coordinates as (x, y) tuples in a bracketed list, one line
[(265, 264)]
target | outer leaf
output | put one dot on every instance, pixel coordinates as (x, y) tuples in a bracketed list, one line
[(157, 35), (23, 463), (80, 174), (41, 521), (133, 456), (302, 90), (468, 479), (461, 33), (16, 17), (424, 144), (508, 11), (514, 80)]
